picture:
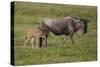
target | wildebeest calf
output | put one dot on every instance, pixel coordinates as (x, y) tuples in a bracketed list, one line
[(33, 33)]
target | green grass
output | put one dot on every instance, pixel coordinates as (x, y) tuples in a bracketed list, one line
[(31, 14)]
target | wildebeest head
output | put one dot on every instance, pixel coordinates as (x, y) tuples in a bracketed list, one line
[(45, 29), (84, 25)]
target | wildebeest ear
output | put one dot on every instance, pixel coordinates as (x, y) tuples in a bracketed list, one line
[(42, 22)]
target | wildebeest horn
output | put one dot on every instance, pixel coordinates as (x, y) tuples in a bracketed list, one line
[(84, 19)]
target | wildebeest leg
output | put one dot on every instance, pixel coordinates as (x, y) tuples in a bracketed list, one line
[(40, 42), (63, 41), (45, 41), (32, 39), (46, 38), (71, 36)]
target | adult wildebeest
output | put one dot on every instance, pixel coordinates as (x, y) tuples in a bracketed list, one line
[(64, 26)]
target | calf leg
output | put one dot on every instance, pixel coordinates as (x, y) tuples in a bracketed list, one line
[(32, 39), (37, 42), (26, 40)]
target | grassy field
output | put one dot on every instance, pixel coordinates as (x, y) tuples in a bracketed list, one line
[(31, 14)]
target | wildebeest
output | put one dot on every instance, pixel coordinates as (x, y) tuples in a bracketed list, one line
[(64, 26), (33, 33)]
